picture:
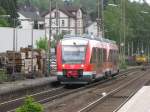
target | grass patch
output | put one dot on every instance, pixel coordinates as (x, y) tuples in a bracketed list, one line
[(123, 65), (30, 105), (3, 75)]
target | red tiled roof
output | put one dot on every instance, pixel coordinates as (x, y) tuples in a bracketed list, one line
[(68, 10)]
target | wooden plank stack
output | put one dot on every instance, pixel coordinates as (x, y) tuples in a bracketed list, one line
[(23, 61), (37, 60), (13, 59)]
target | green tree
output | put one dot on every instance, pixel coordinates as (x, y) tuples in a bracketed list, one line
[(10, 6), (30, 106), (3, 20), (42, 43)]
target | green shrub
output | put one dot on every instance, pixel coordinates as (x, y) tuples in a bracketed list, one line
[(30, 106), (3, 76), (123, 65)]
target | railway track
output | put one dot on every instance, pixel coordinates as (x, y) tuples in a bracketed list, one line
[(113, 100), (15, 93), (49, 95)]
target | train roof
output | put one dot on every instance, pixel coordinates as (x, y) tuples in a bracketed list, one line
[(88, 37)]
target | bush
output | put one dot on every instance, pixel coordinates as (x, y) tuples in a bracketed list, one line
[(30, 106), (123, 65), (42, 43), (3, 76)]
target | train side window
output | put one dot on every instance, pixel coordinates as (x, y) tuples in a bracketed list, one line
[(101, 56), (104, 55), (93, 56), (98, 56), (110, 56)]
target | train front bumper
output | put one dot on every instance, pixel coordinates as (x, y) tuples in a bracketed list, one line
[(84, 79)]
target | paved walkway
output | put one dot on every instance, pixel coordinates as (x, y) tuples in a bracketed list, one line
[(140, 102), (18, 85)]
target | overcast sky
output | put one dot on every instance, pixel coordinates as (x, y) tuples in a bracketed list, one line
[(148, 1)]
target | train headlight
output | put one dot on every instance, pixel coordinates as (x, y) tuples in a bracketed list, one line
[(82, 66), (63, 65)]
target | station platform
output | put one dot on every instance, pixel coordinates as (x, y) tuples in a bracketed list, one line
[(140, 102), (8, 87), (23, 84)]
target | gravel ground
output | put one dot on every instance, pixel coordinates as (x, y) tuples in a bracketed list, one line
[(75, 102), (120, 97)]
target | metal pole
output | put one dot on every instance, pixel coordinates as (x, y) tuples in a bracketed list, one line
[(98, 19), (50, 34), (32, 72), (16, 39), (132, 49), (128, 49), (102, 18), (124, 27), (46, 67), (57, 18), (45, 28), (123, 30), (75, 23), (148, 51), (14, 36)]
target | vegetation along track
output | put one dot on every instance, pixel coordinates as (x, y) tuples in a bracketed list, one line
[(114, 99), (49, 95)]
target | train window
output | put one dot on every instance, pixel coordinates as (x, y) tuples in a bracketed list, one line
[(113, 56), (110, 55), (110, 58), (100, 56), (93, 56), (104, 54), (73, 54)]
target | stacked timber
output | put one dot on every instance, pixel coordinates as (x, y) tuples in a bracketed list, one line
[(13, 59), (25, 62), (33, 62), (2, 60)]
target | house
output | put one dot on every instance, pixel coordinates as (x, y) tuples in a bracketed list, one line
[(29, 17), (92, 29), (66, 19)]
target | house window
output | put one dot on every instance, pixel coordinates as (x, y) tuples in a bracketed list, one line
[(41, 26), (78, 32), (78, 23), (79, 14), (64, 32), (63, 22), (74, 13), (35, 25), (56, 14)]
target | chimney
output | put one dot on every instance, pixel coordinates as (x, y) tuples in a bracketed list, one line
[(66, 2)]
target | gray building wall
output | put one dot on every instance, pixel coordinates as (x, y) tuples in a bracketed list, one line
[(23, 35)]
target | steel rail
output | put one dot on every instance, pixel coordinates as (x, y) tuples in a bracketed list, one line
[(100, 99), (47, 99)]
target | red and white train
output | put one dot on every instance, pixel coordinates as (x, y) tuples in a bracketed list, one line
[(81, 60)]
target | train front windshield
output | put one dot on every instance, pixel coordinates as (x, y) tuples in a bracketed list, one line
[(73, 54)]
